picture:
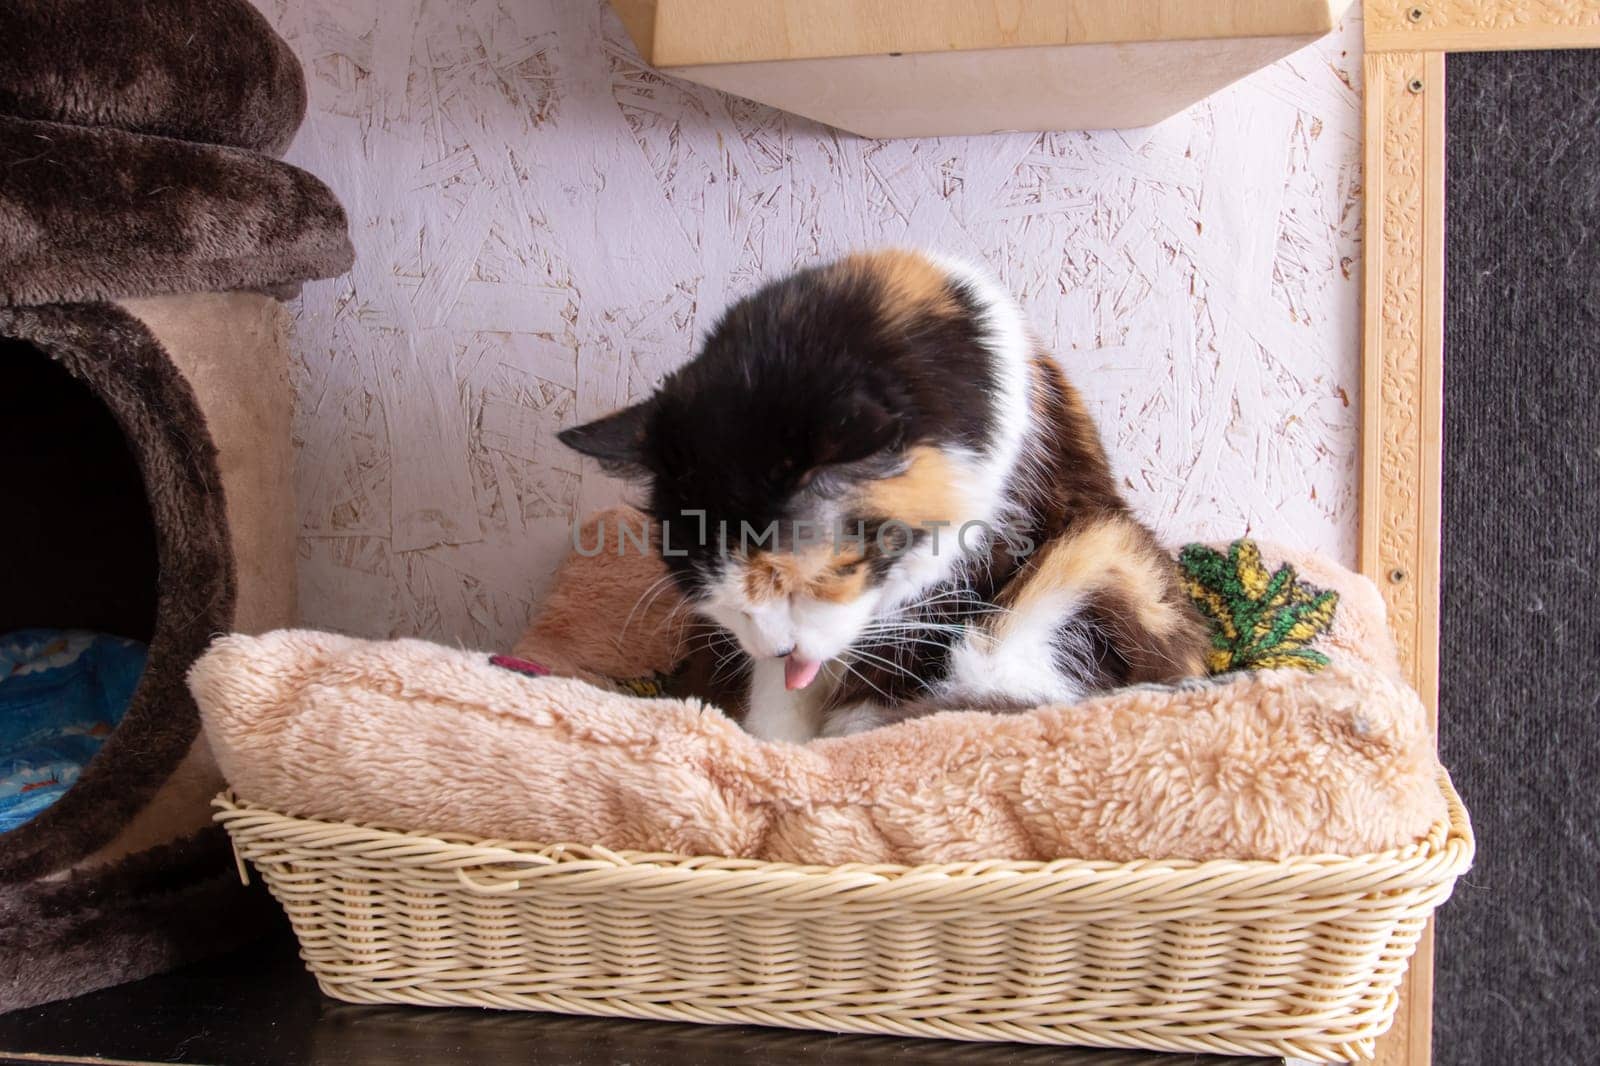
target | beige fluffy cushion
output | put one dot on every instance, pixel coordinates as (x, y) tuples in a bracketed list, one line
[(411, 735)]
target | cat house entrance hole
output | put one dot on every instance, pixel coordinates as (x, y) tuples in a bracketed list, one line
[(114, 523), (78, 542)]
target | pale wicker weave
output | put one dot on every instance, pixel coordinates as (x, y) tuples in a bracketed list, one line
[(1300, 958)]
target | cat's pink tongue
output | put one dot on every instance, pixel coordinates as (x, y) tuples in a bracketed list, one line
[(798, 672)]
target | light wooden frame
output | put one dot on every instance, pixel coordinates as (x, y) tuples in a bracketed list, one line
[(1403, 341)]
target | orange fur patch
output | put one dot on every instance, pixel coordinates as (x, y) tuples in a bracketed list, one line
[(1050, 385), (820, 572), (1111, 553), (843, 581), (770, 576), (928, 490), (911, 284)]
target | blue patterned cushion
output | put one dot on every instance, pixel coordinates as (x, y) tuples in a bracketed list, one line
[(62, 692)]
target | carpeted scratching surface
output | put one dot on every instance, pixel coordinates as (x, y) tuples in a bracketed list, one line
[(1518, 973)]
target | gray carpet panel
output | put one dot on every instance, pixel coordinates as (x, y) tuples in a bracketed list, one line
[(1518, 979)]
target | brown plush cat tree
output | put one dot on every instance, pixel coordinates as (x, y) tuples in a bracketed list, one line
[(145, 229)]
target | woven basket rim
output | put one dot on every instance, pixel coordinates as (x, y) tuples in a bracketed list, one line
[(1445, 853)]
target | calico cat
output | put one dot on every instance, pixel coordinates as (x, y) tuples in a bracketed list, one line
[(875, 481)]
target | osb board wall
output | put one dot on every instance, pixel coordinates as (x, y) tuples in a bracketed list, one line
[(544, 227)]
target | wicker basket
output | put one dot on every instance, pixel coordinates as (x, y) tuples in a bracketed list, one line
[(1300, 958)]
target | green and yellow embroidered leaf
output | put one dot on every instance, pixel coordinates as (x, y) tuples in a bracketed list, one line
[(650, 688), (1262, 620)]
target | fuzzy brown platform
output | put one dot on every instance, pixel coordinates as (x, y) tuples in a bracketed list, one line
[(210, 71), (146, 913), (94, 214)]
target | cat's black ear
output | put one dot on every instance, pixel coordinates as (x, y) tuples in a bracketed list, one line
[(618, 440)]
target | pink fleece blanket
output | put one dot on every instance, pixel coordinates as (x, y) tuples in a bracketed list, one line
[(1260, 764)]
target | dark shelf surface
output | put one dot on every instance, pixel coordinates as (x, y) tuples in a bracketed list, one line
[(259, 1007)]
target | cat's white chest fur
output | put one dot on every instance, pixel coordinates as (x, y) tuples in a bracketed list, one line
[(778, 713)]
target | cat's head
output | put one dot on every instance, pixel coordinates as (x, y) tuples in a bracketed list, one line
[(843, 434)]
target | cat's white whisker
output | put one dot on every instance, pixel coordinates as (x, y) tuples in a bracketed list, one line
[(895, 642), (858, 675), (654, 591), (886, 663)]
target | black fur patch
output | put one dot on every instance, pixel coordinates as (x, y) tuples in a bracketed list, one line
[(804, 388)]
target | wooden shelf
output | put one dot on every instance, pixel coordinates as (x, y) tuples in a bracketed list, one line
[(919, 68)]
